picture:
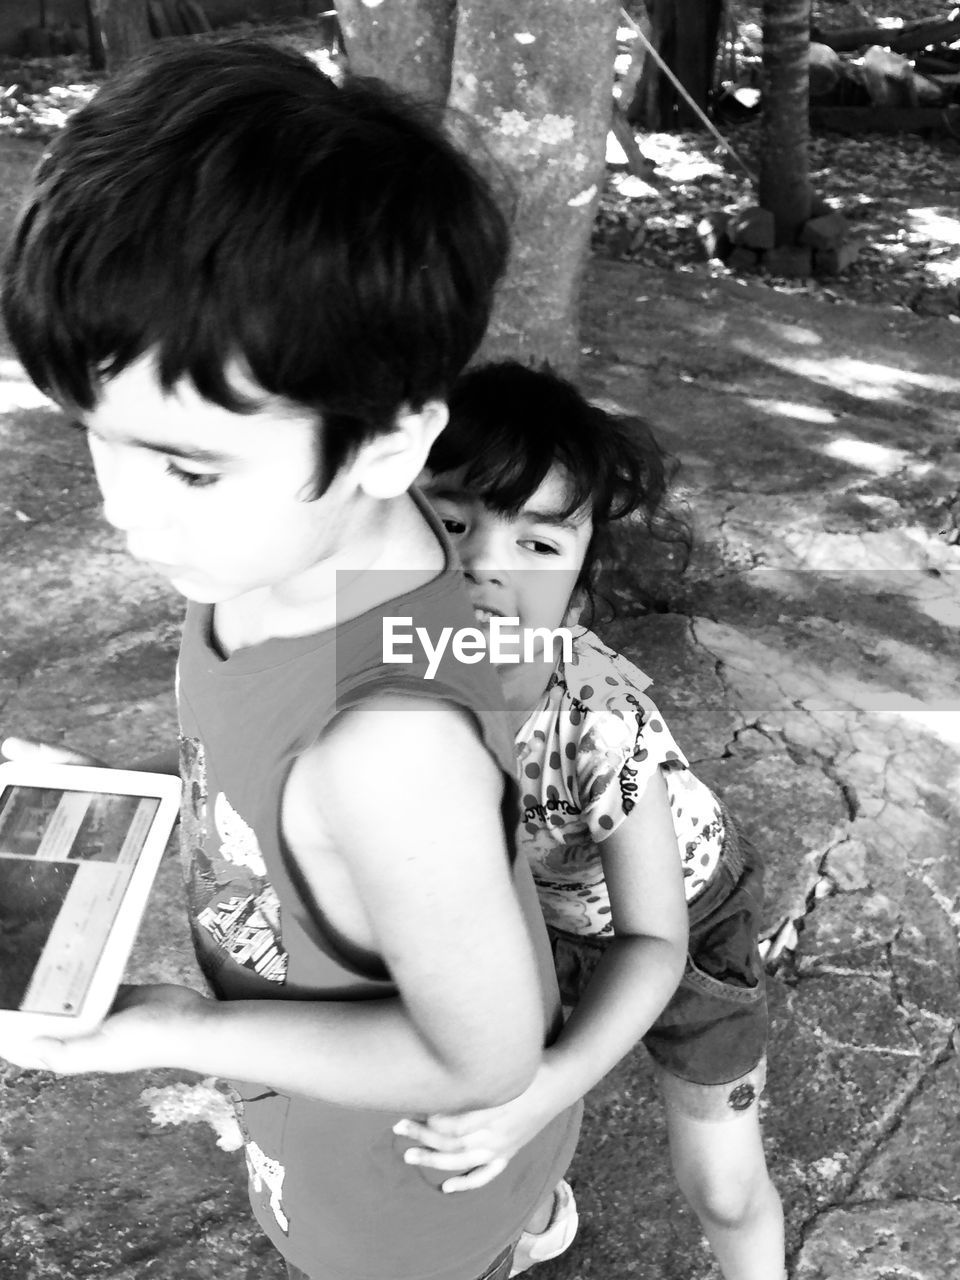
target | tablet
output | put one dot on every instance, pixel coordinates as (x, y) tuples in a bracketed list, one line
[(79, 848)]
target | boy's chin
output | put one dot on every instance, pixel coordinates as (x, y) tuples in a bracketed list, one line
[(197, 591)]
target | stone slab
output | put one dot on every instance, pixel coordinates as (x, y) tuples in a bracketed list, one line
[(910, 1240)]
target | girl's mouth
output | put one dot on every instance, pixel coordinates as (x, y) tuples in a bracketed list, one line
[(483, 614)]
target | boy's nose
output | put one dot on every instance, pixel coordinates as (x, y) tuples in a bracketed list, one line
[(129, 503)]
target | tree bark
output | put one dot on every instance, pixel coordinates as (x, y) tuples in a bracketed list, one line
[(98, 54), (685, 33), (408, 43), (123, 27), (529, 84), (784, 186), (537, 77)]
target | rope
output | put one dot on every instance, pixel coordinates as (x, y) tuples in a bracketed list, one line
[(724, 144)]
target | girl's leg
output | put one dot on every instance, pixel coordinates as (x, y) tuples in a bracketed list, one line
[(721, 1169)]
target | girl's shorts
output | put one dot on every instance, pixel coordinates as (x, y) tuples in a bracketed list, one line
[(709, 1043), (499, 1269)]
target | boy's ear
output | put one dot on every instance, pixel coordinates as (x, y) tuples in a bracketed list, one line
[(391, 463)]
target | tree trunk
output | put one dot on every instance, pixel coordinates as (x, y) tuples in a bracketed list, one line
[(123, 29), (534, 79), (98, 55), (784, 186), (685, 33), (408, 43), (537, 77)]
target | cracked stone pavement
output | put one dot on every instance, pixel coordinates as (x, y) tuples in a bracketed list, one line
[(807, 661)]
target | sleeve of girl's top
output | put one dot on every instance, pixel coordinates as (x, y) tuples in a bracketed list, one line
[(623, 739)]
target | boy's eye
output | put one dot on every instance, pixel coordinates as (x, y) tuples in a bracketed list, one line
[(453, 524), (192, 479)]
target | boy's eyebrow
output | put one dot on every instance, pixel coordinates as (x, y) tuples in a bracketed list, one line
[(189, 453), (452, 495)]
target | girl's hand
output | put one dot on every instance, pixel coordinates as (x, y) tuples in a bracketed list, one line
[(478, 1145), (142, 1031)]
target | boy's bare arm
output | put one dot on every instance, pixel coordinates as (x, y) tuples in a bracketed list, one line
[(422, 846), (639, 972)]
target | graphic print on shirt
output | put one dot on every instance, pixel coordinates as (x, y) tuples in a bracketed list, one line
[(233, 905), (584, 756), (269, 1174), (266, 1174)]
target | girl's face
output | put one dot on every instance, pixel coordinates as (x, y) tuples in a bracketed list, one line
[(518, 566)]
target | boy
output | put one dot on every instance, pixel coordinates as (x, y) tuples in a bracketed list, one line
[(252, 289)]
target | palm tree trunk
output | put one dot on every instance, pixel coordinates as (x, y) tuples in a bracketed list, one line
[(784, 157)]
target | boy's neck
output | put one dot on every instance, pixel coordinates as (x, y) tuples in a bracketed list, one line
[(340, 587)]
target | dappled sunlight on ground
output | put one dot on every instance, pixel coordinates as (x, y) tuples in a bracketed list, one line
[(942, 723), (866, 379), (878, 458), (789, 409), (938, 228), (936, 223), (796, 334)]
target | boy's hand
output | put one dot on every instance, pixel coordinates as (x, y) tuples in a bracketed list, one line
[(478, 1145), (20, 749), (144, 1030)]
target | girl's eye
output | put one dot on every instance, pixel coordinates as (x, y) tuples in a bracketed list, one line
[(192, 479), (453, 525), (540, 547)]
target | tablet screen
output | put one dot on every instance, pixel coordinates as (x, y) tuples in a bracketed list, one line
[(66, 858)]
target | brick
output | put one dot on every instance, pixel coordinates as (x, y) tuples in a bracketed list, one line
[(826, 232), (939, 302), (752, 227), (743, 259), (830, 261), (794, 260)]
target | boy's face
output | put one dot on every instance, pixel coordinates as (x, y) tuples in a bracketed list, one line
[(213, 500), (524, 565)]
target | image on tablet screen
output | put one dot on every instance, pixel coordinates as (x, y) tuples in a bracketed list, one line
[(66, 858)]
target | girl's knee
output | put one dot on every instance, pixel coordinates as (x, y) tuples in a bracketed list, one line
[(727, 1199)]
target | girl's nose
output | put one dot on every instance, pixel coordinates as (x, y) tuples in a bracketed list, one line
[(481, 553)]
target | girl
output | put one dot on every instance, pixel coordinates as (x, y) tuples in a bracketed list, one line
[(651, 896)]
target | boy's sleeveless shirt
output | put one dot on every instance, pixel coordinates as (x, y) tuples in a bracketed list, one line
[(327, 1183)]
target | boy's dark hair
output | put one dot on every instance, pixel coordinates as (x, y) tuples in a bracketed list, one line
[(510, 424), (227, 203)]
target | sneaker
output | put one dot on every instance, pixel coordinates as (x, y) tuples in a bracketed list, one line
[(557, 1236)]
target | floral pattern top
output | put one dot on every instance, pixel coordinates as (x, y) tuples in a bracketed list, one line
[(584, 755)]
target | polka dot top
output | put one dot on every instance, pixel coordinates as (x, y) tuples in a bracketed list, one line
[(584, 754)]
